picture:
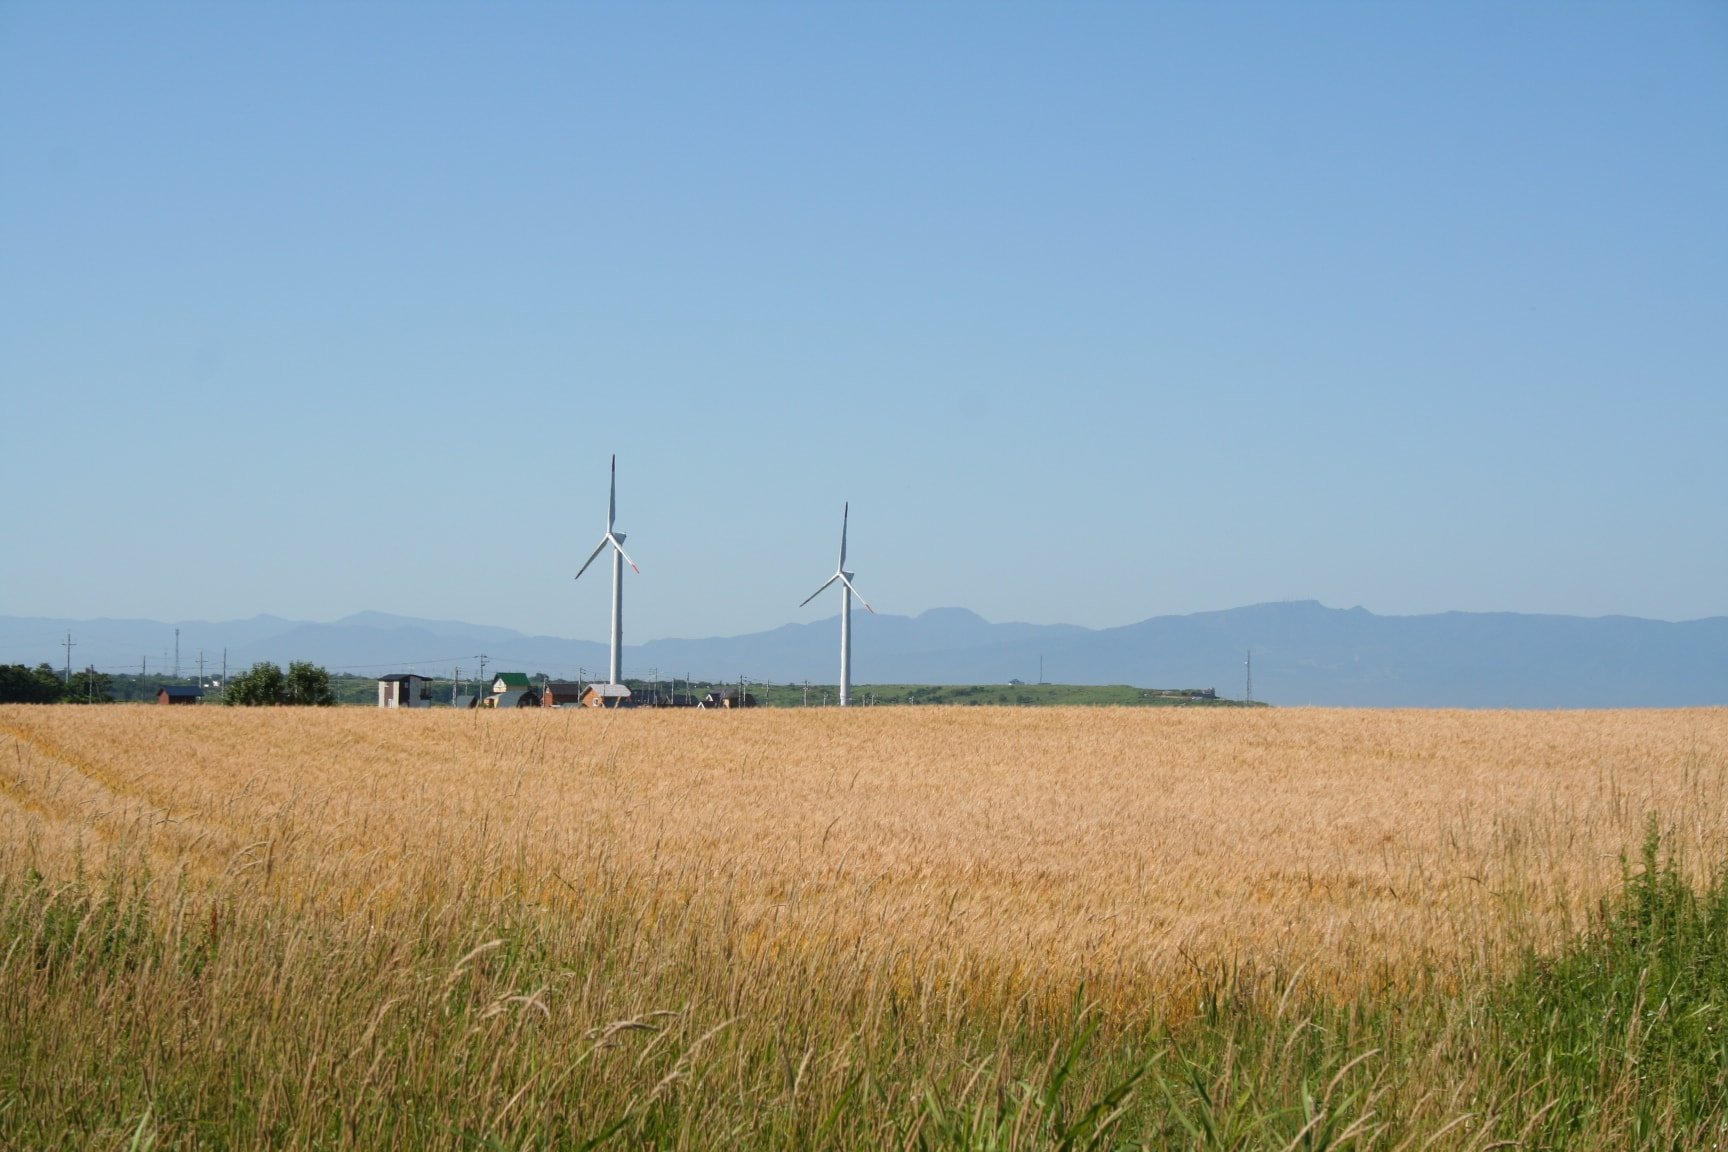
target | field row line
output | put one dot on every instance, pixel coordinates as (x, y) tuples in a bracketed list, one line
[(114, 815)]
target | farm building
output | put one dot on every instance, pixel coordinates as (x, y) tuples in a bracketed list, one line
[(178, 694), (512, 690), (606, 696), (727, 699), (561, 694), (402, 690)]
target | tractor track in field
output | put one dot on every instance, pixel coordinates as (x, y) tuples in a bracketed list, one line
[(82, 765), (56, 785), (12, 783)]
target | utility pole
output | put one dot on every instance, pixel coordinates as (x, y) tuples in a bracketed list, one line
[(200, 667), (1248, 688), (69, 647), (806, 692), (224, 667), (455, 679), (176, 653), (1040, 669), (483, 672)]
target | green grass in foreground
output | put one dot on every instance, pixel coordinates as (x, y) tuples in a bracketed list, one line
[(451, 1025)]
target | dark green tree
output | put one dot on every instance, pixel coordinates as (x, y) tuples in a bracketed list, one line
[(22, 685), (263, 683), (308, 684), (90, 687)]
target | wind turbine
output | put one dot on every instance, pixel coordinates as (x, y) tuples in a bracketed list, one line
[(619, 559), (846, 594)]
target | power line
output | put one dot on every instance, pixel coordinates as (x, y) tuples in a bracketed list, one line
[(26, 639), (555, 669)]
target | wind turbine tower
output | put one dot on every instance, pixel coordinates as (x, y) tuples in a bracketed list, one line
[(847, 591), (614, 540)]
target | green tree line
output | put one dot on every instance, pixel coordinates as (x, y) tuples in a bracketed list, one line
[(303, 683), (21, 684)]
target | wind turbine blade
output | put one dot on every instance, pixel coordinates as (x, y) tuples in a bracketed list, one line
[(822, 589), (617, 540), (845, 513), (599, 548), (612, 497), (842, 578)]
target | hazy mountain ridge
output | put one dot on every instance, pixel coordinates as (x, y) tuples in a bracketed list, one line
[(1303, 652)]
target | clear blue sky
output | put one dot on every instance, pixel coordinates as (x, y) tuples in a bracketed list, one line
[(1093, 311)]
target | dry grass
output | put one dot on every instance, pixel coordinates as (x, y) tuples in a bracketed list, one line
[(1006, 851)]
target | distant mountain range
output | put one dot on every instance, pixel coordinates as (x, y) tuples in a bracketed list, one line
[(1303, 653)]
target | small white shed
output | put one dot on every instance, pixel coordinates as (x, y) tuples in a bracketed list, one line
[(403, 690)]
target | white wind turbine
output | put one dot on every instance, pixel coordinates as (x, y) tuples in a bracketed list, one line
[(846, 594), (619, 559)]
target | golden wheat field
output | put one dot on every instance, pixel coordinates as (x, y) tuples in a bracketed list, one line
[(1023, 849)]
